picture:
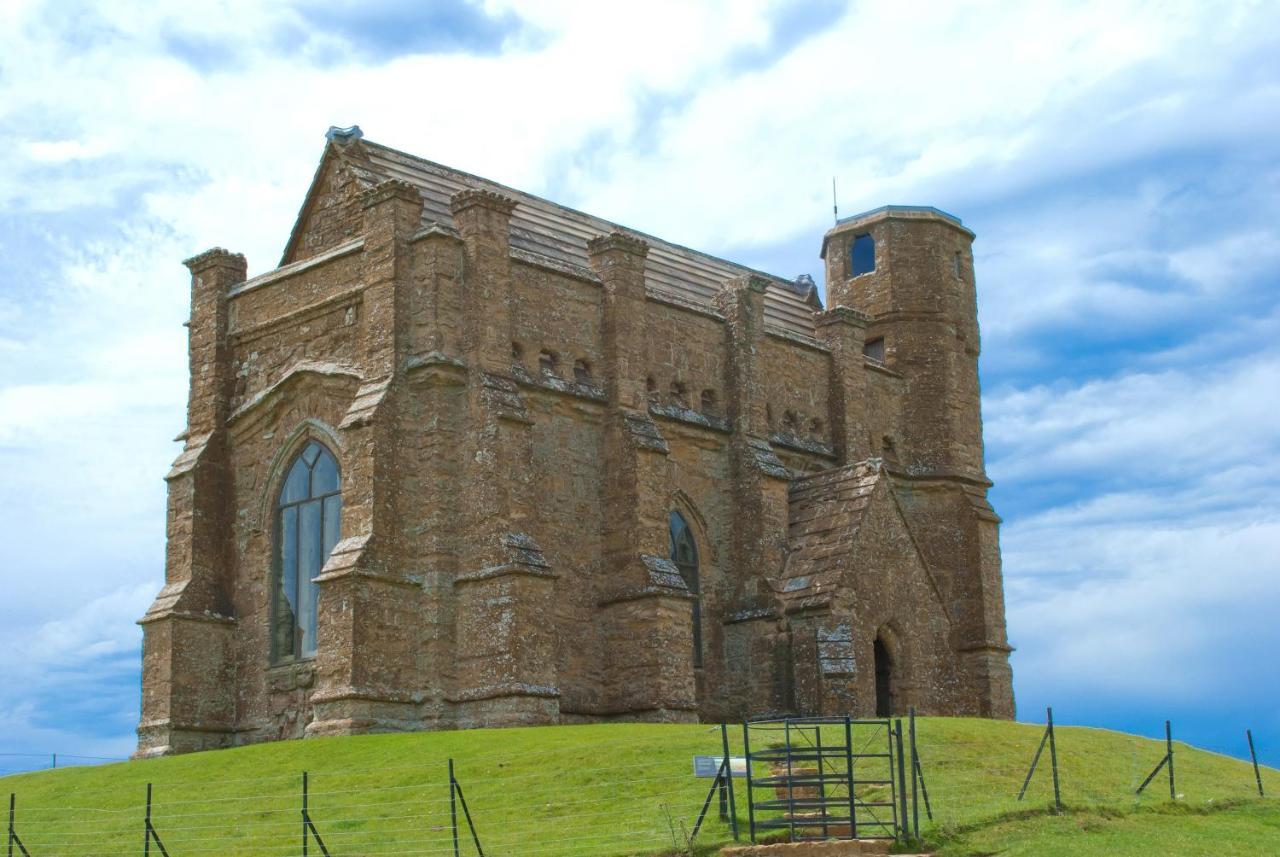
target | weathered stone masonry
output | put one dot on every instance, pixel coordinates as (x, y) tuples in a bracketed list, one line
[(523, 402)]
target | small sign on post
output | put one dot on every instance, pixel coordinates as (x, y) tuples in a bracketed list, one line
[(706, 767)]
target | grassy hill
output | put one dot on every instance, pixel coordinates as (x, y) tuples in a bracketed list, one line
[(621, 789)]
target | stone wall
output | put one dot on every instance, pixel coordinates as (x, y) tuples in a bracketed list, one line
[(512, 435)]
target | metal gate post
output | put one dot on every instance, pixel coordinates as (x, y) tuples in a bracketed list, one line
[(848, 761), (733, 804), (791, 800), (915, 782), (751, 798), (902, 781)]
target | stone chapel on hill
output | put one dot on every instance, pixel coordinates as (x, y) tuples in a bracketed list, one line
[(472, 458)]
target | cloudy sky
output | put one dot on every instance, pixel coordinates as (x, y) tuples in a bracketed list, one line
[(1118, 162)]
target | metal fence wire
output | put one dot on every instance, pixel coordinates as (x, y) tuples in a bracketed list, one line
[(592, 794)]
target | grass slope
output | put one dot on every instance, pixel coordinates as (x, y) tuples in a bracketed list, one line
[(621, 789)]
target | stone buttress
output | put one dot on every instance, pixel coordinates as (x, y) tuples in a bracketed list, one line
[(646, 610)]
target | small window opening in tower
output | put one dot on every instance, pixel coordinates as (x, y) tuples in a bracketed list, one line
[(887, 450), (862, 255), (874, 348), (709, 402), (651, 391), (582, 372), (517, 353), (790, 423), (884, 680), (679, 395), (958, 264), (548, 362)]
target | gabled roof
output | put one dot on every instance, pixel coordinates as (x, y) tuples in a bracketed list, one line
[(825, 516), (546, 230), (827, 513)]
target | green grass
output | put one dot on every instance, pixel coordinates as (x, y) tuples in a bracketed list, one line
[(621, 789)]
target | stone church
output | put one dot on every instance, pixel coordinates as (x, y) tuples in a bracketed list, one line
[(471, 458)]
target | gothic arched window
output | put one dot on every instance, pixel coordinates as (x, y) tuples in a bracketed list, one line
[(684, 553), (308, 522)]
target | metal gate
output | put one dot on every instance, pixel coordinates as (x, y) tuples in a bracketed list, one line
[(824, 778)]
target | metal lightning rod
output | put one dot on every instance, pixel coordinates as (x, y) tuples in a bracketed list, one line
[(835, 209)]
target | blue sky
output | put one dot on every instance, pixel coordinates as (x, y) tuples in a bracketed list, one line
[(1118, 162)]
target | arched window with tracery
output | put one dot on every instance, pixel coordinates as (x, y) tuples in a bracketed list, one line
[(308, 523), (684, 554)]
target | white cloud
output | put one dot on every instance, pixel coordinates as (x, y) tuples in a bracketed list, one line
[(1157, 582), (1122, 424), (1035, 116)]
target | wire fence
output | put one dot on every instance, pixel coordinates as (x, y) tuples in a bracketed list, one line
[(595, 790)]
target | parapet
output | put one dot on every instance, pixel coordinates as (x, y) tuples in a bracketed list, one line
[(865, 219)]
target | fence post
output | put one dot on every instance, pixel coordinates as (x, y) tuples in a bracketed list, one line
[(1257, 775), (305, 838), (902, 780), (146, 827), (848, 769), (915, 783), (1035, 760), (733, 804), (453, 808), (751, 802), (1168, 744), (1053, 759)]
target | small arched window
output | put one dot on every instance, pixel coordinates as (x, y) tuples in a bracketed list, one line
[(679, 395), (790, 423), (862, 255), (684, 554), (582, 371), (709, 406), (549, 363), (308, 523), (651, 391)]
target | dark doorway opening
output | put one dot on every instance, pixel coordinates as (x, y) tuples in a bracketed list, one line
[(884, 680)]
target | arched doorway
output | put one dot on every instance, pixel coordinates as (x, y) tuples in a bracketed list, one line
[(884, 679)]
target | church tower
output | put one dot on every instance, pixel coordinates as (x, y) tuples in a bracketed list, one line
[(910, 270)]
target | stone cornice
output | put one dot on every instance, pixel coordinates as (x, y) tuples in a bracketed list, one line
[(294, 372), (298, 316), (216, 257), (842, 314), (617, 241), (505, 689), (795, 338), (289, 270), (471, 197), (389, 190)]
